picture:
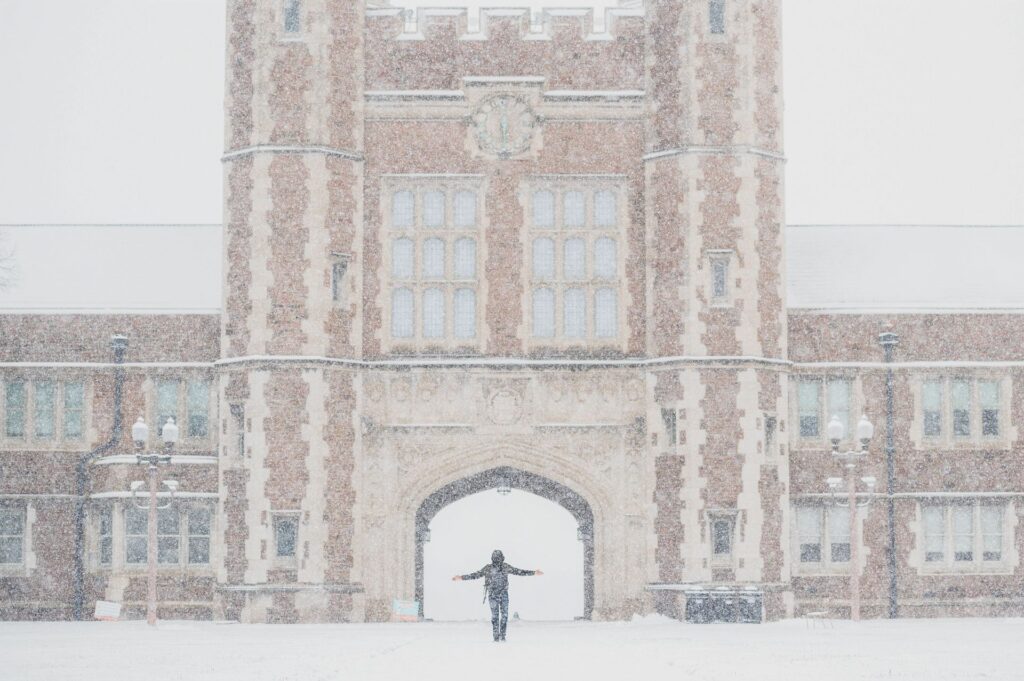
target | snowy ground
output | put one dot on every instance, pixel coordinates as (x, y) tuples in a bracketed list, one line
[(653, 648)]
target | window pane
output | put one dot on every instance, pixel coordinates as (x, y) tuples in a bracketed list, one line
[(199, 550), (433, 313), (166, 404), (198, 404), (401, 259), (809, 534), (992, 532), (285, 536), (403, 209), (605, 313), (337, 280), (135, 520), (12, 523), (573, 209), (575, 265), (839, 403), (988, 395), (807, 400), (605, 258), (105, 526), (433, 259), (543, 209), (14, 404), (292, 16), (933, 520), (45, 397), (716, 16), (74, 408), (722, 539), (543, 258), (963, 533), (465, 313), (961, 398), (931, 400), (135, 549), (605, 209), (465, 209), (433, 209), (575, 317), (543, 313), (106, 521), (106, 550), (167, 521), (839, 534), (199, 521), (401, 313), (167, 550), (465, 259), (719, 278), (11, 550)]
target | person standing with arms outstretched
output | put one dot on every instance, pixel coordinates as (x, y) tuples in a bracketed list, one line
[(495, 576)]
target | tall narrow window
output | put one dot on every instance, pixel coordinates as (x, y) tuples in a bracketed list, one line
[(963, 533), (809, 411), (575, 264), (465, 209), (12, 536), (575, 313), (292, 16), (668, 417), (14, 404), (45, 397), (135, 535), (931, 401), (465, 313), (716, 16), (839, 534), (543, 313), (433, 209), (105, 532), (238, 414), (605, 313), (991, 532), (433, 259), (721, 538), (770, 426), (168, 539), (988, 395), (543, 258), (433, 313), (605, 209), (543, 209), (197, 405), (961, 398), (839, 390), (338, 270), (199, 536), (166, 404), (719, 279), (403, 209), (934, 522), (401, 313), (808, 523), (574, 213), (465, 259), (286, 534), (402, 259), (605, 258)]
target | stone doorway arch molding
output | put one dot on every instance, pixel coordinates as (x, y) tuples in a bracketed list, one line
[(516, 479)]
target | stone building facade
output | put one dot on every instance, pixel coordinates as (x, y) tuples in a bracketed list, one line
[(547, 244)]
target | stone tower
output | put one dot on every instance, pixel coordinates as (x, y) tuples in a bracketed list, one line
[(714, 214), (292, 233)]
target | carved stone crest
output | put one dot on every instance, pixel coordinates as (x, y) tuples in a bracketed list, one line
[(504, 125)]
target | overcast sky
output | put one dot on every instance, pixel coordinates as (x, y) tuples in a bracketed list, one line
[(897, 111)]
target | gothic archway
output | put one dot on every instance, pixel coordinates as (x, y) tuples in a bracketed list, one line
[(516, 479)]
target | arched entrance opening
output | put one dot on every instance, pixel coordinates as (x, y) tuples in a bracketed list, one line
[(514, 479)]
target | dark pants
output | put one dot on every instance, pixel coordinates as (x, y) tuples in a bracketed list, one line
[(499, 613)]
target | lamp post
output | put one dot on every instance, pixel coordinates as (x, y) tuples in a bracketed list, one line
[(836, 431), (140, 434), (889, 340)]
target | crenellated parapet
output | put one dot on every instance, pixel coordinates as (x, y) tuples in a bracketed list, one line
[(574, 49)]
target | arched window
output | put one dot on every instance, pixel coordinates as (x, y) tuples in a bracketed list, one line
[(433, 209), (543, 258), (543, 209), (401, 313), (433, 259), (403, 209), (543, 313), (574, 212), (575, 313), (465, 313), (575, 264), (605, 258), (605, 209), (433, 313), (605, 313), (465, 259), (465, 209), (401, 259)]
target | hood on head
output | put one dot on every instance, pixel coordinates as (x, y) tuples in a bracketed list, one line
[(497, 557)]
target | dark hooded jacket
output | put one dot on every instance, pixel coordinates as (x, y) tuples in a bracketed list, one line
[(496, 574)]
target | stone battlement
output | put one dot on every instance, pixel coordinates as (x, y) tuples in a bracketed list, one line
[(481, 23)]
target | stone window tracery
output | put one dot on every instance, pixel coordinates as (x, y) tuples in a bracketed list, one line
[(962, 536), (433, 224), (41, 411), (961, 410)]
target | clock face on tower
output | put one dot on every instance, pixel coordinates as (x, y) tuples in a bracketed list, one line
[(504, 125)]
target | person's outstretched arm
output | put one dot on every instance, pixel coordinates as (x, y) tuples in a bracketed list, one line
[(472, 575), (522, 573)]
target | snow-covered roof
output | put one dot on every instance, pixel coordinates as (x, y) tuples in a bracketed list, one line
[(113, 268), (904, 268), (177, 268)]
